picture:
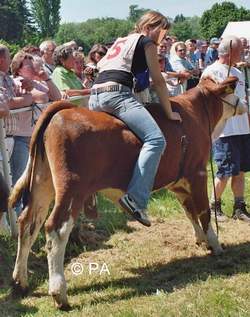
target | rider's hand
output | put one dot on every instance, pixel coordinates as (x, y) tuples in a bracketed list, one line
[(175, 116)]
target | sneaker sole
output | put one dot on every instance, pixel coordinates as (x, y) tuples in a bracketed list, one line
[(241, 219), (219, 218), (133, 214)]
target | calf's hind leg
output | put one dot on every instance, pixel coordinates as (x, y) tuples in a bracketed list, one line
[(30, 222)]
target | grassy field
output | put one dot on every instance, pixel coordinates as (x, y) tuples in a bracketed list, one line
[(156, 271)]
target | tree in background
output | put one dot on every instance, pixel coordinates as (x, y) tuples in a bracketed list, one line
[(179, 18), (22, 24), (186, 28), (86, 34), (214, 21), (46, 15), (15, 20), (135, 13), (13, 48)]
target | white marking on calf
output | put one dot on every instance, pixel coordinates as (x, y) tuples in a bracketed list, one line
[(213, 240), (236, 103), (20, 273), (199, 233), (31, 221), (56, 244), (228, 112), (183, 183)]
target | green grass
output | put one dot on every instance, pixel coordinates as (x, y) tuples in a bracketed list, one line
[(156, 271)]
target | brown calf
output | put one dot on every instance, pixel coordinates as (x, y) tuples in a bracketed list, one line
[(76, 152)]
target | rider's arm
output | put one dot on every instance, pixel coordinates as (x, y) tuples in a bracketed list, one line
[(159, 82)]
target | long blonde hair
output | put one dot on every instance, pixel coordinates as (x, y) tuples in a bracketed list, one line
[(152, 19)]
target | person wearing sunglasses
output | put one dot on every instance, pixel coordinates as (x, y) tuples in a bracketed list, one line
[(181, 64), (171, 77)]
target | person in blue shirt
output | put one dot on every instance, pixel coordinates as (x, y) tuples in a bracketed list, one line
[(180, 63), (191, 46), (212, 51)]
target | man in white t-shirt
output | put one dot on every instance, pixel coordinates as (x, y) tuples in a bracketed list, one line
[(231, 151), (47, 49)]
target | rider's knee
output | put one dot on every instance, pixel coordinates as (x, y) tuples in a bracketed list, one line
[(160, 142)]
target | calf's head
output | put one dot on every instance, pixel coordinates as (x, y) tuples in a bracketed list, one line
[(232, 105)]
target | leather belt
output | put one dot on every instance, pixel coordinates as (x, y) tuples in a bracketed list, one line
[(109, 88)]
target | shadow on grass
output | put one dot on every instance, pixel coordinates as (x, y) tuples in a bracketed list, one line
[(14, 308), (8, 305), (174, 275), (93, 235), (111, 220)]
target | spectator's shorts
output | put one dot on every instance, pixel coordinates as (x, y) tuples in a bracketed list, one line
[(232, 155)]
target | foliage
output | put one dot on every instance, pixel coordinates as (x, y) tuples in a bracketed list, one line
[(13, 48), (46, 14), (135, 13), (22, 26), (179, 18), (186, 28), (93, 31), (214, 21), (14, 20)]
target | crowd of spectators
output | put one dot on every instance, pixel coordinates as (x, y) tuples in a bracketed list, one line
[(38, 75)]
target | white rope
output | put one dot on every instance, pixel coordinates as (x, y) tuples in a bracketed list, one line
[(82, 99)]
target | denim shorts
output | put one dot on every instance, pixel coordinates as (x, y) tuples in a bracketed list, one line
[(232, 155)]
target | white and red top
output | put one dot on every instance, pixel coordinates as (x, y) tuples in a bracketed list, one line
[(120, 55)]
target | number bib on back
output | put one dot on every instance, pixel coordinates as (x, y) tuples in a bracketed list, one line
[(120, 55)]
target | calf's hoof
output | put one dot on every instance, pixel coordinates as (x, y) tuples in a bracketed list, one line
[(59, 303), (217, 251), (17, 290)]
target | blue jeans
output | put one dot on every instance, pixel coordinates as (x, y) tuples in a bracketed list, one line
[(232, 155), (18, 161), (123, 105)]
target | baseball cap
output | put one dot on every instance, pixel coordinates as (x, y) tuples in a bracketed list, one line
[(214, 40)]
